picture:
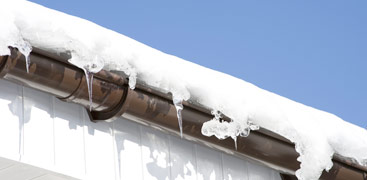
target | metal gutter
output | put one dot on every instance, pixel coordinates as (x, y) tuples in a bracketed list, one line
[(112, 98)]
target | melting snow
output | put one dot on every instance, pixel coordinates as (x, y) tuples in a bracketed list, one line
[(317, 134)]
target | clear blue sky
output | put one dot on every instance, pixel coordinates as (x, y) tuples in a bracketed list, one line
[(314, 52)]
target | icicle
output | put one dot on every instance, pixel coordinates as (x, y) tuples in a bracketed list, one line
[(90, 65), (235, 142), (89, 78), (178, 104), (27, 63), (25, 48)]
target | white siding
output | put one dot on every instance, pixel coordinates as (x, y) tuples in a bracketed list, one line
[(38, 129), (38, 143), (183, 159), (128, 150), (69, 138), (11, 120)]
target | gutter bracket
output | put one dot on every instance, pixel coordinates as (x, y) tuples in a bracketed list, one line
[(8, 61)]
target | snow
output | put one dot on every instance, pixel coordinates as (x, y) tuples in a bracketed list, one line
[(318, 135)]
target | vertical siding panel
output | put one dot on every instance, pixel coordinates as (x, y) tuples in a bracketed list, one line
[(234, 168), (155, 154), (11, 121), (69, 145), (182, 157), (38, 129), (257, 172), (128, 150), (100, 162), (275, 175), (208, 163)]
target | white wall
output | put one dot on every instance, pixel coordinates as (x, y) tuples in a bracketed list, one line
[(38, 129)]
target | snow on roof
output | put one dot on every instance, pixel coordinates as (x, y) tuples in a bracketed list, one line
[(318, 135)]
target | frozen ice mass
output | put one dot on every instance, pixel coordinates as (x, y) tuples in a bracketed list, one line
[(318, 135)]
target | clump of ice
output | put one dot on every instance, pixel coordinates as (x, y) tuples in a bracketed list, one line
[(318, 135), (223, 129)]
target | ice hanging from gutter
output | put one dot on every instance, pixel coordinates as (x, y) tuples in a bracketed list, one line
[(89, 79), (179, 107), (90, 64), (25, 48)]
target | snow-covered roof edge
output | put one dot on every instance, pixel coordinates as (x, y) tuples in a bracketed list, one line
[(317, 134)]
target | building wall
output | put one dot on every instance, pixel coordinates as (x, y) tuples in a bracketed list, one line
[(38, 129)]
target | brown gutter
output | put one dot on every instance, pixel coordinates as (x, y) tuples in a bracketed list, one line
[(67, 82), (112, 98)]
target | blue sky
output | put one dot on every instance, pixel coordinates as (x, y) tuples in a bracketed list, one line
[(313, 52)]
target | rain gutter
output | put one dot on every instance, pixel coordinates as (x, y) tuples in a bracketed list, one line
[(112, 98)]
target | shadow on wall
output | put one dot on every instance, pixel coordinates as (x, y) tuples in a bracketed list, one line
[(148, 153), (13, 94)]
